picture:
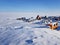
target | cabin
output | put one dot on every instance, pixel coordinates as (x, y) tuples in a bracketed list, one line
[(38, 17), (53, 25)]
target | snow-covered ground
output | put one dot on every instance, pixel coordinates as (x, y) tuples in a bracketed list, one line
[(15, 32)]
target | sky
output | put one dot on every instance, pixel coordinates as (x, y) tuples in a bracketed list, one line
[(34, 7)]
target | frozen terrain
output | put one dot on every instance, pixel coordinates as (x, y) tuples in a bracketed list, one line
[(15, 32)]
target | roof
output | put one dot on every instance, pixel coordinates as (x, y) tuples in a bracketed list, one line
[(54, 23)]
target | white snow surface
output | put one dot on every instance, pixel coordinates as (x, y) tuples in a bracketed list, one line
[(14, 32)]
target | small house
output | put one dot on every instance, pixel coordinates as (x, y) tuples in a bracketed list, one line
[(53, 25)]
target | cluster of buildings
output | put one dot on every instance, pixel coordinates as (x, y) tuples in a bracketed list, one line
[(51, 21)]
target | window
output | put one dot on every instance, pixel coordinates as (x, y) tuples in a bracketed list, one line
[(54, 24)]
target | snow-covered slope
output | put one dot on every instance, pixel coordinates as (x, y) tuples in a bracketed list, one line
[(14, 32)]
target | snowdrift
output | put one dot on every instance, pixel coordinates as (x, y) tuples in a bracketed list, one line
[(14, 32)]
